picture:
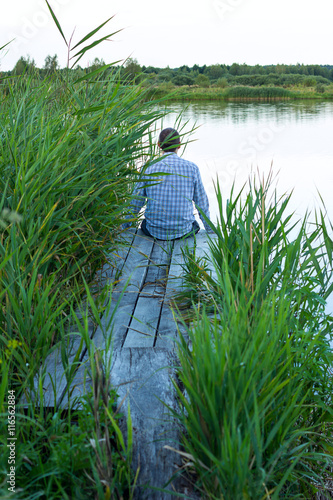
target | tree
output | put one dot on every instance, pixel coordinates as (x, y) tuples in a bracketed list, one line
[(51, 64), (97, 63), (132, 69), (183, 80), (235, 69), (24, 65), (222, 83), (309, 82), (202, 81), (215, 71)]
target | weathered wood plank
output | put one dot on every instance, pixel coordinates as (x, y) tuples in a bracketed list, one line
[(53, 370), (132, 279), (155, 282), (143, 376), (135, 266), (125, 295), (168, 328), (148, 373), (142, 328)]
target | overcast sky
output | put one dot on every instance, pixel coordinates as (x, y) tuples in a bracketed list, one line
[(173, 32)]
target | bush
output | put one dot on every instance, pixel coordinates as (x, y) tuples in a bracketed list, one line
[(180, 80), (309, 82), (202, 81), (222, 83), (320, 88), (261, 92)]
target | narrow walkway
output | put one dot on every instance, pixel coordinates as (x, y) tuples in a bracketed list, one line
[(143, 354)]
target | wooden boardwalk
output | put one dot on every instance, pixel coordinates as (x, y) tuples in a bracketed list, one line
[(144, 333)]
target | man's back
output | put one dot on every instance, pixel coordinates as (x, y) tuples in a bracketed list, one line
[(169, 211), (170, 187)]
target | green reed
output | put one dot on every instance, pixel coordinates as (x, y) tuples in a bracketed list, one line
[(68, 159), (257, 411), (257, 92), (69, 156)]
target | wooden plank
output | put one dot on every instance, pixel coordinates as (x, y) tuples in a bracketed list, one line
[(53, 371), (134, 273), (145, 376), (133, 276), (142, 328), (167, 329), (117, 258), (135, 267), (155, 282)]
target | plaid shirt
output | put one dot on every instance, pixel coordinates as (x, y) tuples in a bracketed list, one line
[(169, 210)]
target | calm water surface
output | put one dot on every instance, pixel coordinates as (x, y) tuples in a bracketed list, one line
[(235, 140)]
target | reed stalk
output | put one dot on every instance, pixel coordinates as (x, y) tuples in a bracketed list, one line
[(256, 412)]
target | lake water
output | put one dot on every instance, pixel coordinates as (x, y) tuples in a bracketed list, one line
[(235, 139)]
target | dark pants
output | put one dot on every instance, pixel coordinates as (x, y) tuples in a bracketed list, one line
[(195, 230)]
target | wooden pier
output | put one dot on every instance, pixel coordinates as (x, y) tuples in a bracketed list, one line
[(143, 349)]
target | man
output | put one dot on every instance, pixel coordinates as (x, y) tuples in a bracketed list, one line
[(169, 193)]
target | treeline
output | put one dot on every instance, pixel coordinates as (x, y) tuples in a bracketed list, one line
[(243, 74), (216, 75)]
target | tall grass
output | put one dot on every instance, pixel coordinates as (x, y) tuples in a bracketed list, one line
[(69, 155), (257, 408), (78, 452), (257, 92)]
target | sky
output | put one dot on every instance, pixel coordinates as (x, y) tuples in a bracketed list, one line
[(173, 32)]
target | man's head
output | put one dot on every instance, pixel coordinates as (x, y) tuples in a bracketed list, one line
[(169, 140)]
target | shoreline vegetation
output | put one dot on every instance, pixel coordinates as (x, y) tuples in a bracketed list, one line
[(256, 411), (196, 83), (71, 142), (69, 155), (196, 93)]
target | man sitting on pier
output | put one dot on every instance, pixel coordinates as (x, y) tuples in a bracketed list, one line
[(169, 194)]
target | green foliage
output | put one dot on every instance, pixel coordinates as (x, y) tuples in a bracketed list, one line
[(215, 71), (74, 453), (51, 63), (24, 65), (274, 79), (260, 92), (309, 82), (257, 415), (320, 88), (221, 83), (256, 411), (69, 154), (202, 81), (132, 70), (183, 80)]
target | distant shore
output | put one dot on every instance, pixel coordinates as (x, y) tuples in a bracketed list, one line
[(195, 93)]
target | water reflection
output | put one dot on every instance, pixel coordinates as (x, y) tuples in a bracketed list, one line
[(242, 112), (236, 138)]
